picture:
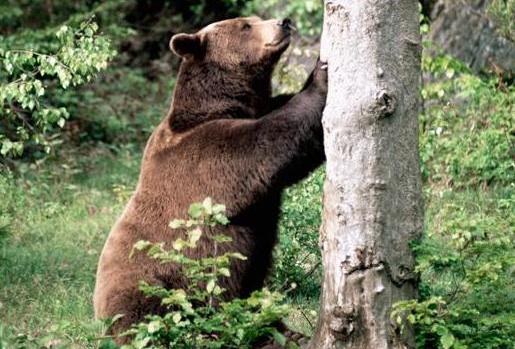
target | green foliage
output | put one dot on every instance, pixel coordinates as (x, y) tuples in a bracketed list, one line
[(198, 316), (121, 108), (27, 74), (307, 15), (56, 337), (466, 259), (47, 50), (503, 13), (298, 258), (466, 127), (8, 204), (466, 267)]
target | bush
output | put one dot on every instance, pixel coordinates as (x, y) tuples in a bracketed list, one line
[(198, 316), (466, 268), (466, 126)]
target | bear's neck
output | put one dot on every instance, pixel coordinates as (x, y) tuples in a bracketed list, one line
[(205, 91)]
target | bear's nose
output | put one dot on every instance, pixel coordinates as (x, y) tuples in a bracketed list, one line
[(285, 23)]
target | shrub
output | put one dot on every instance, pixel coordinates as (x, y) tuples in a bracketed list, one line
[(198, 316), (466, 127), (466, 272)]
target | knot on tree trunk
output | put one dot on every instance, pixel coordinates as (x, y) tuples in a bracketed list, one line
[(342, 322), (384, 105), (331, 7), (403, 273), (365, 258)]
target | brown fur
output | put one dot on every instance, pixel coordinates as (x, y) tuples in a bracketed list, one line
[(224, 137)]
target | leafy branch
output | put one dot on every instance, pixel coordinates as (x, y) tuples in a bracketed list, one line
[(28, 77)]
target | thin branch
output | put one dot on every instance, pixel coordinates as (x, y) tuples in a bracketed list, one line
[(42, 55)]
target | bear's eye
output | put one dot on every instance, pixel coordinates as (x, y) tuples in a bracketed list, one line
[(246, 26)]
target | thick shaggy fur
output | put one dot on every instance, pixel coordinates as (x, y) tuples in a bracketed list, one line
[(224, 137)]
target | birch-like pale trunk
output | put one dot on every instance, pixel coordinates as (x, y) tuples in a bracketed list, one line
[(372, 194)]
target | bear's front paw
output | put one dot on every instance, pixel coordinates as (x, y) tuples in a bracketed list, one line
[(320, 75)]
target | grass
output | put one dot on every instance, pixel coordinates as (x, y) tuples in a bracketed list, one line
[(62, 215)]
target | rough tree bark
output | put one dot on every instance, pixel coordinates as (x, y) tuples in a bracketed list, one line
[(372, 193)]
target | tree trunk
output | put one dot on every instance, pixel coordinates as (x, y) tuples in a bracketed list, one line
[(372, 193)]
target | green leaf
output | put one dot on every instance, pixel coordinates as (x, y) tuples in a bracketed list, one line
[(108, 344), (7, 145), (140, 245), (221, 238), (221, 219), (177, 223), (62, 31), (210, 286), (218, 290), (176, 317), (292, 345), (218, 208), (279, 337), (141, 343), (195, 210), (237, 255), (224, 272), (447, 340), (194, 236), (208, 205), (61, 122), (179, 244), (154, 326)]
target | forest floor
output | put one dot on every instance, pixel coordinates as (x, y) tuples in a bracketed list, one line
[(55, 215), (64, 213)]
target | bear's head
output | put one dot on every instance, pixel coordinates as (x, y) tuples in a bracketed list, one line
[(236, 43), (226, 70)]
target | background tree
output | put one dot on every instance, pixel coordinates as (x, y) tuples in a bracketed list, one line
[(372, 193)]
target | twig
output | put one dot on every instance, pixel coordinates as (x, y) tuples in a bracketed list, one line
[(307, 319)]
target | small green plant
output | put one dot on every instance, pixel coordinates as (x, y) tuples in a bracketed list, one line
[(198, 315), (429, 318)]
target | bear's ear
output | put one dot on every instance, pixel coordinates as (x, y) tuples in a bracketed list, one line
[(184, 45)]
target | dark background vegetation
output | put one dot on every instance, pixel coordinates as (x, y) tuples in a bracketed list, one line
[(70, 160)]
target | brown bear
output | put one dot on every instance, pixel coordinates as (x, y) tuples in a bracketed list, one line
[(224, 137)]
